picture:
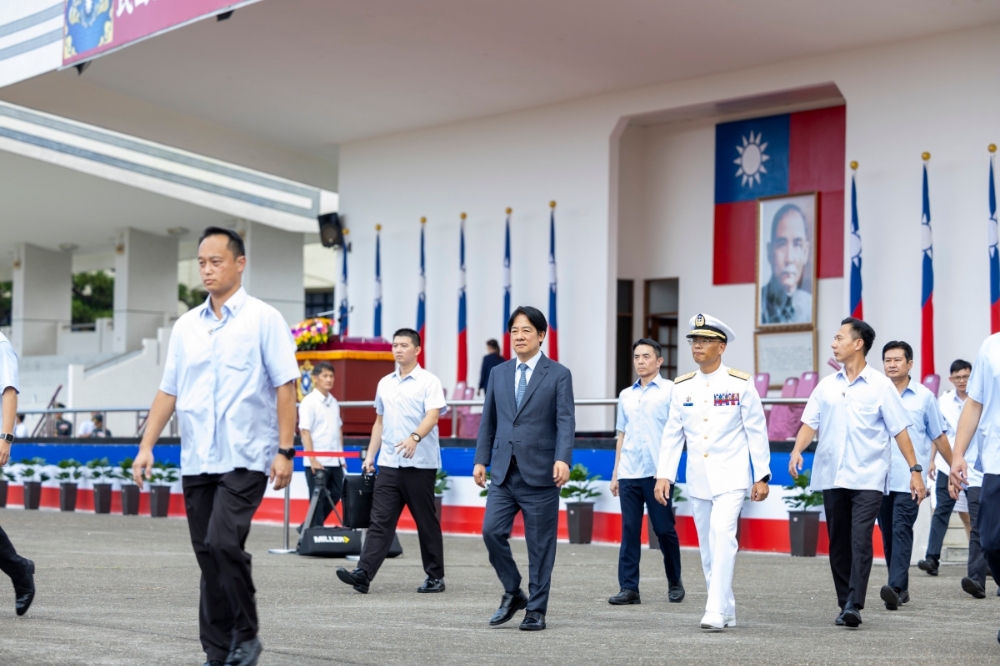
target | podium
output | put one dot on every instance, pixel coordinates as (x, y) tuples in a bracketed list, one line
[(358, 365)]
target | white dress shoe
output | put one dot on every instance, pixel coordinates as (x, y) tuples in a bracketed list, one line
[(730, 620), (713, 621)]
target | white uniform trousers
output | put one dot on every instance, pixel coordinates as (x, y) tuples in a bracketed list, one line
[(716, 520)]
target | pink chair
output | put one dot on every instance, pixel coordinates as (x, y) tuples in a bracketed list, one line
[(807, 384), (762, 382), (933, 382), (459, 392), (468, 423), (783, 423)]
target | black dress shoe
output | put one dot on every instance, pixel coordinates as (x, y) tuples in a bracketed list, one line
[(930, 565), (625, 598), (358, 578), (890, 596), (676, 593), (246, 653), (24, 589), (904, 597), (840, 619), (215, 662), (851, 616), (510, 603), (432, 585), (974, 588), (533, 621)]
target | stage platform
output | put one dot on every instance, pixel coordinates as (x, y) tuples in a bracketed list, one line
[(124, 590)]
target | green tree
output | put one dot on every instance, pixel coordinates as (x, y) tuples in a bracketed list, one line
[(93, 296), (6, 288), (190, 297)]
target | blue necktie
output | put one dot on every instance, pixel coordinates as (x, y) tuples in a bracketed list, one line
[(522, 383)]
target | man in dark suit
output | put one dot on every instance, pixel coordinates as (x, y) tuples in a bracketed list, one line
[(490, 361), (526, 436)]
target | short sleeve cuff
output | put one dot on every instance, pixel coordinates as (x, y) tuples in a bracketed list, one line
[(168, 388)]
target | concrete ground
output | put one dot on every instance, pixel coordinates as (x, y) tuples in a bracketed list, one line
[(124, 590)]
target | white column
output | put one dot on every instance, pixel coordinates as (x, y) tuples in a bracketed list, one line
[(275, 269), (41, 301), (145, 287)]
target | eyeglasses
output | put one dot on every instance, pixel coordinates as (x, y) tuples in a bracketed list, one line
[(701, 342)]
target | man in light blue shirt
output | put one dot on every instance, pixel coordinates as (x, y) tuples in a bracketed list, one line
[(229, 374), (899, 508), (858, 413), (642, 413)]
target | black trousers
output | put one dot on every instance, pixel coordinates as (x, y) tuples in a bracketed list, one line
[(394, 488), (219, 509), (850, 518), (896, 516), (636, 494), (334, 483), (11, 563), (988, 520), (977, 568), (942, 514), (539, 506)]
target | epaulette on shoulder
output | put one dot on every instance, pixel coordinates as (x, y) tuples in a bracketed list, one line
[(684, 378), (739, 374)]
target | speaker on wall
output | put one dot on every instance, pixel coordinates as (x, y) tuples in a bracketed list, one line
[(331, 231)]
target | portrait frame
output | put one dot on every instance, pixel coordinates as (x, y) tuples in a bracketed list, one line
[(785, 353), (766, 316)]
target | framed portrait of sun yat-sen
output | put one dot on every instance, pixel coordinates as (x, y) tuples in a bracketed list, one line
[(786, 262)]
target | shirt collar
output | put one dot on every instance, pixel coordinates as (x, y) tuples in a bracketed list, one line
[(324, 399), (955, 398), (909, 387), (231, 307), (415, 373), (531, 362), (721, 370), (865, 374), (655, 381)]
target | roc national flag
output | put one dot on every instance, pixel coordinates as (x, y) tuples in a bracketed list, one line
[(553, 336), (927, 291), (377, 328), (994, 256), (463, 349), (506, 286), (857, 309), (422, 298), (344, 308)]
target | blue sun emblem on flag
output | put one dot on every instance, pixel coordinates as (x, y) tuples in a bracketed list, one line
[(751, 159)]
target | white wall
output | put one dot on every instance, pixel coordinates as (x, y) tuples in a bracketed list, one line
[(936, 94)]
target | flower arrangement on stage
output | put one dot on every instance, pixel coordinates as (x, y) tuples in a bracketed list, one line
[(310, 334)]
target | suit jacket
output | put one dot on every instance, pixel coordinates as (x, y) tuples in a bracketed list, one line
[(539, 433)]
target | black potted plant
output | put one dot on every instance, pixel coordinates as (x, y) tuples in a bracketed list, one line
[(803, 516), (101, 475), (440, 485), (163, 475), (33, 474), (130, 491), (676, 498), (580, 507), (68, 476), (6, 476)]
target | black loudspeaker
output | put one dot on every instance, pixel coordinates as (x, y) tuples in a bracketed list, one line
[(331, 231)]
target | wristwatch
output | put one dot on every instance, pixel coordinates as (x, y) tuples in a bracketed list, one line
[(917, 468), (7, 436), (416, 437), (288, 453)]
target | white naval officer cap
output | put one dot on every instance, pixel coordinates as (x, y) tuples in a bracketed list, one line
[(707, 326)]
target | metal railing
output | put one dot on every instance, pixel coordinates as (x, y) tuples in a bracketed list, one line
[(141, 413)]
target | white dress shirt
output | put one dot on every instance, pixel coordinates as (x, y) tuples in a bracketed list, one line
[(8, 366), (926, 425), (531, 363), (224, 373), (21, 431), (951, 409), (320, 415), (403, 402), (984, 388), (721, 419), (642, 414), (856, 422)]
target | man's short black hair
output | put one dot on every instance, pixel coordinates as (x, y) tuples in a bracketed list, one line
[(863, 330), (408, 333), (534, 315), (493, 344), (959, 365), (652, 343), (898, 344), (236, 245), (320, 367)]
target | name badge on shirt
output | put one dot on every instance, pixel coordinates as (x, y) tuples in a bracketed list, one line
[(688, 402), (727, 399)]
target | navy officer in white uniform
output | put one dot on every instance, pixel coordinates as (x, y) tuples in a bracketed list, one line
[(718, 413), (857, 412), (229, 374)]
